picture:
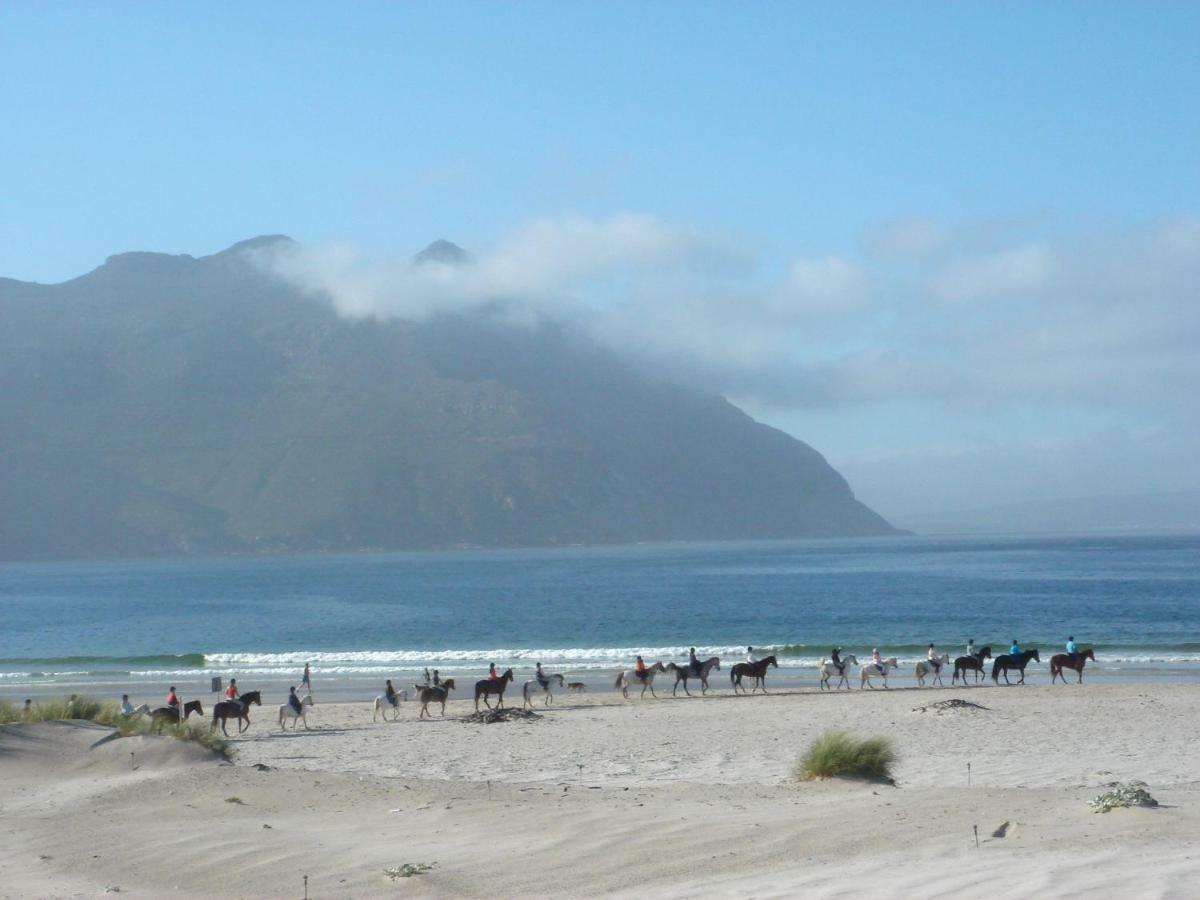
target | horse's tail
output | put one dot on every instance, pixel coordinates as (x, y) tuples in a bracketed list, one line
[(525, 690), (996, 668), (620, 678)]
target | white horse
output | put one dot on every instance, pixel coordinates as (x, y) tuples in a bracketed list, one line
[(139, 711), (383, 704), (544, 688), (630, 677), (924, 667), (287, 712), (828, 670), (869, 671)]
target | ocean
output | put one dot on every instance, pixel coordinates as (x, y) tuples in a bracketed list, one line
[(360, 618)]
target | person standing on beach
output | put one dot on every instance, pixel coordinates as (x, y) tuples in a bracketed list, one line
[(427, 681), (306, 679)]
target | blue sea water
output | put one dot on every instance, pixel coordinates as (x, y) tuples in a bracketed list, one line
[(1136, 598)]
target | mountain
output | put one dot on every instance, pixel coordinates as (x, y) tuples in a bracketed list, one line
[(168, 404)]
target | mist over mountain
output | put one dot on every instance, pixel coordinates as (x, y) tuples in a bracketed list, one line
[(175, 405)]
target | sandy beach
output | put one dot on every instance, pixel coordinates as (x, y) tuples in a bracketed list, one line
[(679, 798)]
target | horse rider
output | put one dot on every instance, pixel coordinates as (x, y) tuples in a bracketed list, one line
[(126, 706), (541, 676), (293, 700), (492, 676), (750, 657), (232, 694), (876, 659), (172, 699), (693, 663), (437, 679), (1071, 649), (835, 656), (639, 669), (934, 659), (971, 651), (1015, 650), (390, 692)]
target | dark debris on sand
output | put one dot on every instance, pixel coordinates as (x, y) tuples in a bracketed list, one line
[(487, 717), (944, 705)]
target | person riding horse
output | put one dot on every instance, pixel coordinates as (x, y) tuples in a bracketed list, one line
[(693, 663), (390, 693), (750, 657), (541, 676), (172, 699), (294, 702), (1015, 651), (876, 659), (1071, 649), (934, 659), (437, 679), (639, 669), (232, 694), (492, 676), (836, 658), (972, 651)]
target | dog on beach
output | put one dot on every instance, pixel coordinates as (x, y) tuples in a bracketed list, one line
[(576, 687)]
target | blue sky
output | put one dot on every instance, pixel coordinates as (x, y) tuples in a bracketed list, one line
[(1027, 142)]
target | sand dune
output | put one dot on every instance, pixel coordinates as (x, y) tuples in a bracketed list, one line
[(676, 797)]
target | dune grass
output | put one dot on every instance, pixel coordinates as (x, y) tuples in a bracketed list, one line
[(103, 712), (837, 754)]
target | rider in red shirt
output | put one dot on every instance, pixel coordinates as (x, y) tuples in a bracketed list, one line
[(172, 698)]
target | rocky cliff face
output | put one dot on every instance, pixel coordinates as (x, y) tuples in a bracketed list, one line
[(165, 405)]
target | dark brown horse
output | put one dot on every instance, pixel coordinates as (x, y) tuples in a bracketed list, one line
[(1060, 661), (169, 715), (488, 686), (756, 670), (973, 663), (427, 694), (1005, 662), (235, 709)]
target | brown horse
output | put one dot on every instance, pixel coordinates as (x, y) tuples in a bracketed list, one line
[(427, 694), (973, 663), (235, 709), (169, 715), (1060, 661), (488, 686), (756, 670)]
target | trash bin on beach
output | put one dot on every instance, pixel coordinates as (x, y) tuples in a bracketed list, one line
[(216, 685)]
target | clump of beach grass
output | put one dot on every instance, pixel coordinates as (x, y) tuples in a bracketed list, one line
[(836, 754), (103, 712)]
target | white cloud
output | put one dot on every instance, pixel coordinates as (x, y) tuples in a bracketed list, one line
[(909, 238), (1013, 272)]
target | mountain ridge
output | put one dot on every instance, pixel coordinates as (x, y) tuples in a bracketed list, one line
[(170, 404)]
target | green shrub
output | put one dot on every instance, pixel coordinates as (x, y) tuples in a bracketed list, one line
[(9, 712), (836, 753)]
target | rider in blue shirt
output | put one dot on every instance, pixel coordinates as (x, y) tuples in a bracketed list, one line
[(1015, 650), (1071, 649)]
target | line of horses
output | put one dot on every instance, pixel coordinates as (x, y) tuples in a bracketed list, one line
[(932, 670)]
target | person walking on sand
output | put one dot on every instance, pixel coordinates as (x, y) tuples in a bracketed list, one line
[(306, 679), (427, 681)]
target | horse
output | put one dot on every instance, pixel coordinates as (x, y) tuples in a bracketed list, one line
[(973, 662), (382, 703), (646, 680), (544, 688), (429, 693), (756, 670), (869, 671), (828, 670), (1060, 661), (683, 673), (169, 715), (287, 711), (925, 666), (235, 709), (1005, 662), (488, 686)]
